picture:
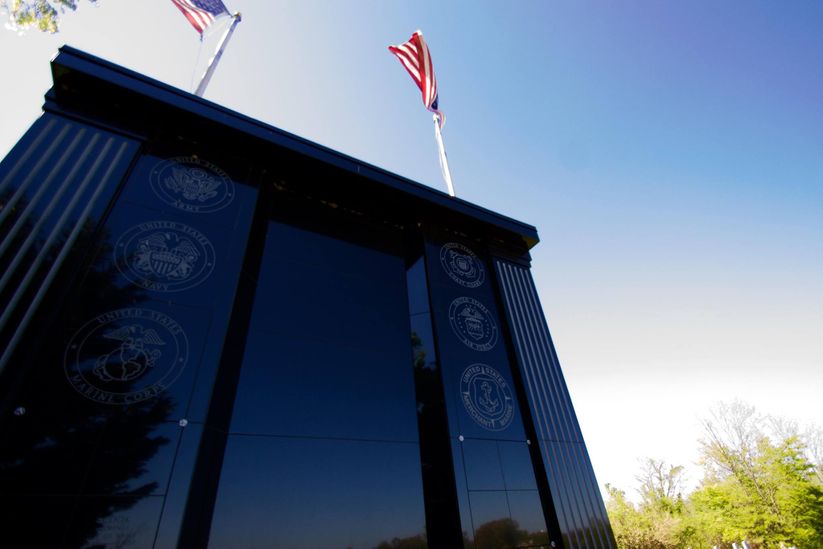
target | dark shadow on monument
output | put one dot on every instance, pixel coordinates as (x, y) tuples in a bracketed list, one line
[(68, 462)]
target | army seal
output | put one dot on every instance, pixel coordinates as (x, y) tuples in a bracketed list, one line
[(192, 185)]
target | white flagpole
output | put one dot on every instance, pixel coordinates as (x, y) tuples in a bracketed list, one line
[(444, 162), (201, 88)]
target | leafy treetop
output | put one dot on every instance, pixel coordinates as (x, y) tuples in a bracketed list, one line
[(43, 15)]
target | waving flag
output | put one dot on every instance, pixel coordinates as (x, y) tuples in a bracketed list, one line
[(415, 58), (201, 13)]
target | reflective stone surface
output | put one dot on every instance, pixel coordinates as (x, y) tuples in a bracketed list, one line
[(285, 348), (127, 352), (323, 448), (498, 489), (301, 493), (327, 355), (476, 373)]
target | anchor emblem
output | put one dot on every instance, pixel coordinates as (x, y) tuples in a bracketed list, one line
[(486, 400), (486, 397)]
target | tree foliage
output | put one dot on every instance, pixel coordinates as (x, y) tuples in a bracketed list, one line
[(661, 484), (43, 15), (655, 523), (761, 484)]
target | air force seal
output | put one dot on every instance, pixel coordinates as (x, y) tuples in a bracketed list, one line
[(126, 356), (473, 324), (486, 397), (164, 256), (192, 185), (462, 265)]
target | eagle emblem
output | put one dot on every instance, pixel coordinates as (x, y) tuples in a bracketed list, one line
[(166, 255), (193, 183)]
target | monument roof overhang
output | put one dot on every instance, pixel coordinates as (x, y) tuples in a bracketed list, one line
[(95, 90)]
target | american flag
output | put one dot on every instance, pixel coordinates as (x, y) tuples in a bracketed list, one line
[(201, 13), (414, 56)]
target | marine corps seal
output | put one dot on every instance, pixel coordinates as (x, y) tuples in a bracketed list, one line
[(126, 356)]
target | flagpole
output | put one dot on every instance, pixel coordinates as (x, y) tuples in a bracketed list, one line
[(444, 161), (201, 88)]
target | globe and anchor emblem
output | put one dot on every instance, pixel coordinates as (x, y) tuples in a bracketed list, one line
[(126, 356), (136, 353)]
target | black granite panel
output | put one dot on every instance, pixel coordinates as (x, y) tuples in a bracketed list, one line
[(304, 493)]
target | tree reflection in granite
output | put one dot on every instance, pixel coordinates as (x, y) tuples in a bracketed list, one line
[(414, 542), (496, 534), (68, 463), (506, 534)]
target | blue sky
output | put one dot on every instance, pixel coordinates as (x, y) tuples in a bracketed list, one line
[(671, 156)]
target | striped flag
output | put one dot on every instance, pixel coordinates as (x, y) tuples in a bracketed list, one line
[(201, 13), (414, 56)]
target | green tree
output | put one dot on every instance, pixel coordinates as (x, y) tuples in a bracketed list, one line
[(44, 15), (656, 523), (631, 528), (813, 438), (764, 491), (762, 483), (661, 485)]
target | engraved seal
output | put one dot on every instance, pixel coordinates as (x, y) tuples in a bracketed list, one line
[(126, 356), (192, 185), (486, 397), (473, 324), (462, 265), (164, 256)]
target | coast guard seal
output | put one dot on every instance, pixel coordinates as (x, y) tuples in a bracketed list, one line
[(486, 397), (126, 356), (462, 265), (192, 185), (164, 256), (473, 324)]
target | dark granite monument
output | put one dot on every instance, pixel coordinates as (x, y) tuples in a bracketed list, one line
[(218, 334)]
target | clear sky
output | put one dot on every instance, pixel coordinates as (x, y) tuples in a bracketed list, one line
[(670, 154)]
